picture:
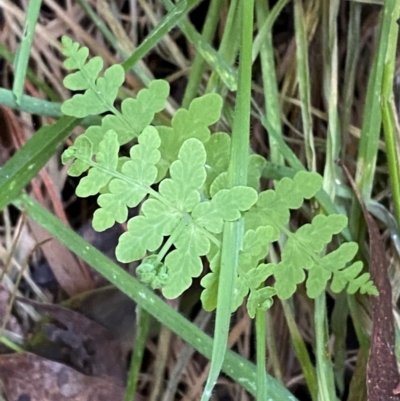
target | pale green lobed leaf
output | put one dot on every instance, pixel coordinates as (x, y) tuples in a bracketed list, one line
[(183, 264), (86, 77), (209, 282), (255, 246), (92, 183), (205, 215), (313, 237), (259, 274), (115, 203), (319, 274), (192, 123), (257, 164), (187, 176), (143, 158), (99, 97), (106, 162), (273, 206), (138, 113), (230, 202), (220, 182), (193, 239), (81, 151), (143, 234), (165, 215), (255, 169), (241, 289), (76, 56), (218, 153), (287, 276)]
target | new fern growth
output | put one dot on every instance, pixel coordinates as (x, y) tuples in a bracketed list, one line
[(178, 176)]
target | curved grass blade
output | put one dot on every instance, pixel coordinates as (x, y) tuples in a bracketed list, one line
[(27, 162), (166, 24), (237, 175), (238, 368), (22, 57)]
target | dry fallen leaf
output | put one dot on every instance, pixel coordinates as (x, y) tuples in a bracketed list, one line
[(84, 344), (27, 376), (382, 373)]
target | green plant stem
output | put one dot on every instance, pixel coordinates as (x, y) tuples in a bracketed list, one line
[(371, 126), (270, 86), (237, 175), (326, 383), (29, 104), (8, 343), (142, 330), (218, 64), (301, 351), (303, 78), (228, 47), (197, 69), (261, 355), (267, 26), (389, 112), (330, 59), (22, 58), (352, 56), (166, 24)]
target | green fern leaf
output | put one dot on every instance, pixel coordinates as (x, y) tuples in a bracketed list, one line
[(184, 263), (302, 251), (273, 206), (321, 272), (138, 174), (191, 123), (187, 176), (136, 114), (255, 248), (350, 275), (100, 92), (106, 160), (81, 152), (209, 296)]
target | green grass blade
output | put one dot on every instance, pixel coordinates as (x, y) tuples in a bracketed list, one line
[(261, 353), (196, 71), (303, 78), (237, 367), (300, 349), (270, 86), (22, 57), (29, 104), (267, 26), (228, 48), (389, 116), (352, 56), (237, 175), (27, 162), (139, 345), (371, 126), (166, 24), (214, 59)]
